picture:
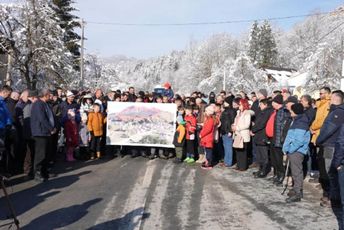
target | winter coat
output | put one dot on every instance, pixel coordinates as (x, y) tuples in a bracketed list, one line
[(255, 108), (27, 121), (190, 126), (11, 106), (179, 136), (65, 106), (259, 127), (42, 119), (83, 134), (323, 107), (242, 124), (227, 120), (95, 123), (5, 115), (338, 157), (56, 108), (281, 125), (207, 133), (71, 133), (331, 127), (298, 136), (169, 93), (131, 97), (85, 108), (310, 113), (19, 110)]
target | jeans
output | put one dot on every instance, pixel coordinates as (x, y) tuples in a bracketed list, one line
[(209, 155), (228, 147)]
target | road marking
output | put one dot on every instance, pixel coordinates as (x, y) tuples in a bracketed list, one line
[(134, 206), (159, 193), (185, 204)]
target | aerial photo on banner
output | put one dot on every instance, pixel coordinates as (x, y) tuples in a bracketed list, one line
[(141, 124)]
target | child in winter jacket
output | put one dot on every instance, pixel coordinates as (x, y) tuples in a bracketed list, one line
[(207, 137), (179, 140), (95, 125), (296, 147), (190, 126), (72, 135), (84, 136)]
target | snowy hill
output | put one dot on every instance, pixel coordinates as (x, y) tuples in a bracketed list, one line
[(313, 46)]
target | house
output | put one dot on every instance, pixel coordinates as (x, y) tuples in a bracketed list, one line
[(279, 75)]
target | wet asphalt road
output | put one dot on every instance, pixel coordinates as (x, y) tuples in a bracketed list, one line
[(126, 193)]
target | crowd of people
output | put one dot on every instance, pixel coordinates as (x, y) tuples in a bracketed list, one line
[(238, 131)]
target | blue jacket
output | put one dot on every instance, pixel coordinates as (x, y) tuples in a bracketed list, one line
[(298, 136), (169, 93), (338, 156), (330, 129), (42, 119), (5, 115)]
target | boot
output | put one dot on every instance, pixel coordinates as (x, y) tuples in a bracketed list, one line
[(293, 193), (295, 198), (261, 175), (256, 173), (98, 154), (70, 156), (279, 180), (200, 159)]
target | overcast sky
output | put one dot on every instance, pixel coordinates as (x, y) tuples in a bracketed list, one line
[(142, 42)]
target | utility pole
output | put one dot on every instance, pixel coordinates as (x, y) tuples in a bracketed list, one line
[(82, 54), (342, 79), (224, 80)]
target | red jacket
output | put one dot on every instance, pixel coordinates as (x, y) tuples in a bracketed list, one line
[(207, 133), (72, 134), (190, 126)]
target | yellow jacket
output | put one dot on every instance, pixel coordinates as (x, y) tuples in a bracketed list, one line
[(323, 108), (95, 123)]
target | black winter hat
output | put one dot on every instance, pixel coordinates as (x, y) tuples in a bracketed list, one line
[(229, 100), (278, 99), (297, 108), (292, 99)]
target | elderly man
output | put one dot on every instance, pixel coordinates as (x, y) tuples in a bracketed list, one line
[(42, 127), (28, 143)]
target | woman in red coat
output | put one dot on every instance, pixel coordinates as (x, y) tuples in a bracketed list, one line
[(207, 136)]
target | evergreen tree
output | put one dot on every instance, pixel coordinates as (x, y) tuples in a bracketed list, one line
[(253, 51), (68, 22), (267, 46)]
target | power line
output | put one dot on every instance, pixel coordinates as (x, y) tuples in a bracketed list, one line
[(207, 23)]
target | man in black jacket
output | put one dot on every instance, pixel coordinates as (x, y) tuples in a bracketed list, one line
[(42, 127), (328, 136), (337, 167), (227, 119), (260, 139)]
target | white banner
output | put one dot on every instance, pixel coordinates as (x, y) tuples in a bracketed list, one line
[(141, 124)]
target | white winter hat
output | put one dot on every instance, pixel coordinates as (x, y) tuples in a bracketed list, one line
[(69, 94)]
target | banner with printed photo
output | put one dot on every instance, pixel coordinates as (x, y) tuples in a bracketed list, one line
[(141, 124)]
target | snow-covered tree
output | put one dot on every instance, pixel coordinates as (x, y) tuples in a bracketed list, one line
[(68, 22), (267, 46), (36, 44), (244, 76), (254, 43)]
